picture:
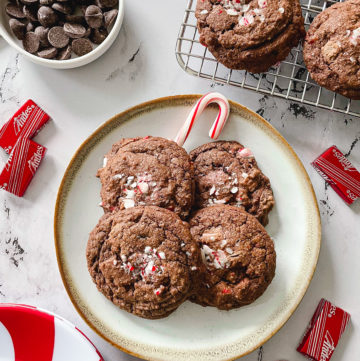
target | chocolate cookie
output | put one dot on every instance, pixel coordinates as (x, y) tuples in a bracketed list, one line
[(239, 256), (227, 173), (332, 48), (147, 171), (144, 260), (251, 35)]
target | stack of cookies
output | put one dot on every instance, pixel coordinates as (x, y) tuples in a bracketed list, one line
[(254, 35), (179, 226)]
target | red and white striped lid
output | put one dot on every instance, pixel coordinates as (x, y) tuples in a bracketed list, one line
[(31, 334)]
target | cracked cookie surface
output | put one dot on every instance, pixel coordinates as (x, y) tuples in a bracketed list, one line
[(147, 171), (144, 260), (238, 254), (332, 48), (227, 173), (251, 35)]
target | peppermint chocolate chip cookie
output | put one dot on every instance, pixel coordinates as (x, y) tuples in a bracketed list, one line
[(227, 173), (144, 260), (147, 171), (252, 34), (332, 48), (238, 254)]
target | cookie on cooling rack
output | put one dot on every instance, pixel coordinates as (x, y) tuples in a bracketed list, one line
[(332, 49), (147, 171), (227, 173), (238, 254), (251, 35), (144, 260)]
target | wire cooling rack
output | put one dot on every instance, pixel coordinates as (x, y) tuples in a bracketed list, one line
[(289, 79)]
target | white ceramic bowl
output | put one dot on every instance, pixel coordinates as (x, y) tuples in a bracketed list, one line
[(8, 35)]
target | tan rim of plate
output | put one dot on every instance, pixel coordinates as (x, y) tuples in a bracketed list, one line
[(105, 129)]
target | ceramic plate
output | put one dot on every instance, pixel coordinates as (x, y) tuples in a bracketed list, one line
[(192, 332), (28, 333)]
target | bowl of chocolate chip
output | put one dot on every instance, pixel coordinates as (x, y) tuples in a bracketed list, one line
[(61, 34)]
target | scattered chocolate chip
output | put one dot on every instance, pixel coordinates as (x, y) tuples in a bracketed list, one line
[(31, 42), (18, 28), (98, 35), (110, 17), (74, 30), (57, 37), (47, 16), (75, 19), (48, 53), (94, 16), (65, 54), (14, 11), (81, 46)]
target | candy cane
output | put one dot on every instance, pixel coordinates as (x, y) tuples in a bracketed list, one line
[(203, 102)]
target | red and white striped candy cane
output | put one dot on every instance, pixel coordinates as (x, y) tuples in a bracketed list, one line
[(203, 102)]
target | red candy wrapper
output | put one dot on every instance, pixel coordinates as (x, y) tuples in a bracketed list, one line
[(23, 162), (25, 123), (324, 331), (338, 171)]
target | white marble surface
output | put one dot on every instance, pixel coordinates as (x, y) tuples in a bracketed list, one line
[(140, 66)]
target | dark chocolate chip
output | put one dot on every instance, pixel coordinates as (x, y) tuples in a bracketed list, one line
[(57, 37), (14, 11), (109, 18), (65, 54), (98, 35), (106, 3), (31, 42), (74, 30), (48, 53), (30, 12), (81, 46), (18, 28), (62, 8), (94, 16), (47, 16), (42, 33)]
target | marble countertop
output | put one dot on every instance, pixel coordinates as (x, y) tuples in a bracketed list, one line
[(140, 66)]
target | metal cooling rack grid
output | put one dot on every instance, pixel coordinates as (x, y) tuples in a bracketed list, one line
[(290, 79)]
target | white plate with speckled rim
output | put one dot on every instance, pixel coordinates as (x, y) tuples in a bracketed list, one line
[(192, 332)]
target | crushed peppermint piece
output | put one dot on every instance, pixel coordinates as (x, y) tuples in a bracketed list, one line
[(130, 194), (188, 253), (117, 176), (226, 291), (193, 268), (133, 185), (223, 243), (114, 262), (214, 258), (245, 153), (153, 184), (100, 204), (203, 12), (182, 244), (232, 12), (159, 290), (143, 187), (219, 201), (262, 3), (162, 255), (262, 18), (352, 59), (355, 36), (245, 8), (128, 203), (149, 268), (212, 190), (229, 250), (234, 190), (123, 258), (281, 10), (244, 175), (147, 249), (105, 162)]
